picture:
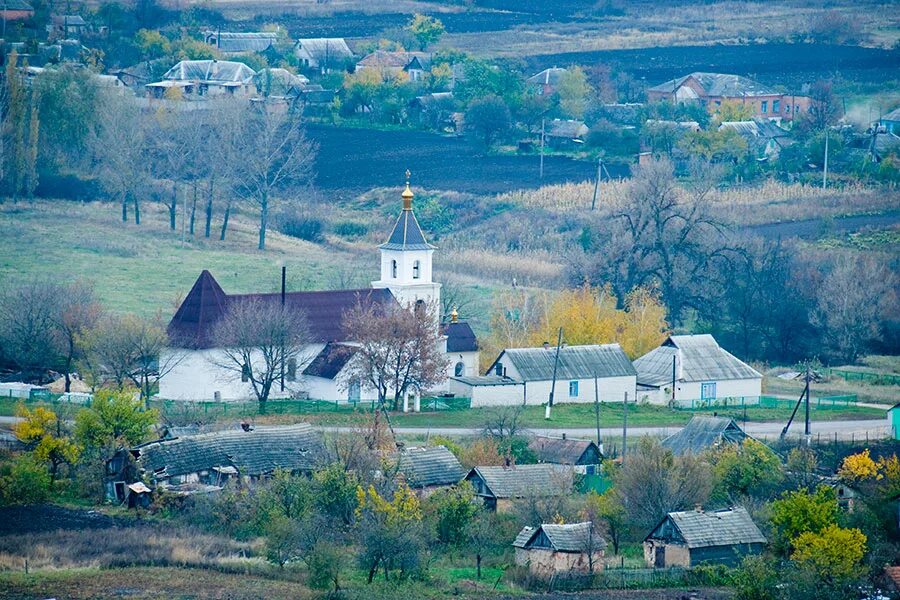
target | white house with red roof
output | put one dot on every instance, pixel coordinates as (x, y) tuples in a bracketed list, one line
[(320, 372)]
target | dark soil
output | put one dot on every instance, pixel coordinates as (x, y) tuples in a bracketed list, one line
[(47, 517), (815, 228), (355, 160), (785, 64), (662, 594)]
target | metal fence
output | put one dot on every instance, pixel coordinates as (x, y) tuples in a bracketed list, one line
[(738, 402), (865, 377)]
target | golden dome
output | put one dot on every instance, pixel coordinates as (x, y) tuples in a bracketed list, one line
[(407, 194)]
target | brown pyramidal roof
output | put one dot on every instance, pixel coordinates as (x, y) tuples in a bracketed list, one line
[(193, 323)]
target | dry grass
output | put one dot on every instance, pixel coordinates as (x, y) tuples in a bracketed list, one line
[(528, 268), (117, 547)]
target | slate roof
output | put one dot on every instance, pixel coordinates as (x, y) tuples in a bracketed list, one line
[(523, 536), (330, 361), (549, 77), (256, 452), (575, 362), (894, 115), (321, 49), (719, 84), (193, 323), (406, 235), (68, 20), (702, 529), (11, 5), (211, 71), (560, 451), (398, 60), (519, 481), (568, 537), (697, 358), (279, 82), (564, 128), (756, 128), (460, 337), (232, 41), (702, 433), (434, 465)]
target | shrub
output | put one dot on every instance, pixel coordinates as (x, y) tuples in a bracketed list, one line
[(304, 228), (24, 481), (350, 229)]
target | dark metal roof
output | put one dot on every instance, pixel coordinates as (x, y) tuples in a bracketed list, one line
[(575, 362), (702, 529), (520, 481), (702, 433), (568, 537), (256, 452), (435, 465), (460, 337), (565, 451), (406, 235), (697, 358), (330, 361), (192, 325)]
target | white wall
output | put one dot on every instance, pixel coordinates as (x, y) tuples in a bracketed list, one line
[(469, 361), (750, 388), (611, 389), (488, 395)]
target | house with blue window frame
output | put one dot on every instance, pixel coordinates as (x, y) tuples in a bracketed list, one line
[(576, 370), (697, 368)]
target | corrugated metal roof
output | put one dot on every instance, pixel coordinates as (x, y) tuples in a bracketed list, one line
[(434, 465), (487, 380), (701, 529), (894, 115), (520, 481), (571, 537), (719, 84), (575, 362), (256, 452), (697, 358), (702, 433), (323, 49), (212, 71), (231, 41)]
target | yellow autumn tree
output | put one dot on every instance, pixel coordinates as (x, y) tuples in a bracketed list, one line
[(41, 432), (859, 466), (645, 323), (834, 553), (514, 315)]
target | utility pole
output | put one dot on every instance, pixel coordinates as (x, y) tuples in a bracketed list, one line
[(624, 427), (673, 379), (283, 289), (183, 217), (825, 171), (806, 431), (542, 149), (553, 383), (596, 183), (597, 412)]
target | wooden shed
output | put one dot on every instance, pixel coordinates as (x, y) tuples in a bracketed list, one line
[(552, 548), (688, 538)]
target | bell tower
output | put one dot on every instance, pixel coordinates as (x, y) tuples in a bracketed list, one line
[(406, 260)]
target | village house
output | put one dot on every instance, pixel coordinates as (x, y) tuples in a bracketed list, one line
[(891, 121), (499, 487), (546, 83), (764, 137), (893, 422), (208, 461), (584, 455), (321, 371), (560, 548), (66, 27), (323, 54), (488, 390), (430, 468), (713, 89), (230, 42), (704, 433), (16, 10), (698, 368), (689, 538), (206, 78), (279, 82), (577, 369), (562, 133), (391, 64)]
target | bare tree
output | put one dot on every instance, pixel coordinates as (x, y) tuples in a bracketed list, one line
[(503, 422), (78, 310), (258, 339), (174, 142), (29, 337), (398, 350), (129, 348), (546, 506), (275, 155), (482, 536), (120, 149), (654, 482), (454, 296)]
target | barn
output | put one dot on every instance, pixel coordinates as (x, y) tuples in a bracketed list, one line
[(498, 487), (693, 537)]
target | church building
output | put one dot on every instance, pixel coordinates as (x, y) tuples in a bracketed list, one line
[(321, 372)]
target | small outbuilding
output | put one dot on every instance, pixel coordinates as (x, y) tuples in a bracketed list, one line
[(693, 537), (893, 419), (429, 469), (704, 433), (699, 369), (583, 455), (488, 390), (551, 549), (498, 487)]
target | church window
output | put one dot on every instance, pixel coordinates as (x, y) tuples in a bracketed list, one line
[(416, 269), (245, 373), (394, 269), (459, 369), (420, 307), (292, 369)]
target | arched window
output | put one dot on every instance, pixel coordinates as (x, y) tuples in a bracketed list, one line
[(420, 307), (292, 369), (459, 369), (416, 269), (394, 269)]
